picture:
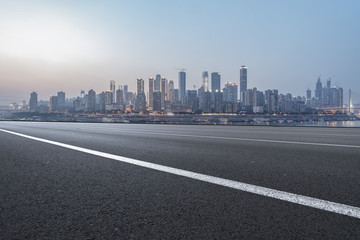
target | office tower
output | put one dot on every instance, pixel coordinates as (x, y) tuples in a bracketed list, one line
[(336, 97), (139, 86), (318, 89), (350, 101), (33, 102), (206, 102), (218, 101), (171, 91), (157, 101), (259, 98), (271, 100), (205, 81), (151, 90), (53, 105), (230, 92), (308, 94), (61, 99), (182, 86), (328, 83), (157, 82), (126, 95), (215, 82), (82, 93), (112, 89), (77, 104), (192, 100), (108, 97), (140, 103), (176, 95), (164, 83), (249, 99), (243, 82), (102, 101), (120, 96), (91, 101)]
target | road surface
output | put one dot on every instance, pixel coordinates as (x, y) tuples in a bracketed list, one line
[(127, 181)]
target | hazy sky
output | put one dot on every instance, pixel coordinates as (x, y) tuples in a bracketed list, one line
[(50, 46)]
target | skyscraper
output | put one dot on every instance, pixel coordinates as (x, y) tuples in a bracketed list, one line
[(91, 101), (33, 102), (53, 104), (243, 82), (157, 82), (164, 83), (205, 81), (140, 86), (151, 90), (318, 89), (112, 89), (215, 82), (171, 91), (120, 96), (182, 86), (140, 103), (61, 99), (157, 101), (230, 92), (308, 94)]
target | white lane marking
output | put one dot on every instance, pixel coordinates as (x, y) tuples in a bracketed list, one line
[(227, 138), (263, 191)]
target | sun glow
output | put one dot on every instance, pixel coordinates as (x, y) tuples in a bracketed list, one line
[(46, 39)]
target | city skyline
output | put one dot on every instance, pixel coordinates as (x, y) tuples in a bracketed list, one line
[(53, 46)]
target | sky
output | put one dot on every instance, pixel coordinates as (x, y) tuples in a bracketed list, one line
[(50, 46)]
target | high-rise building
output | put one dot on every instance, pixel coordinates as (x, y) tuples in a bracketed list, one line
[(182, 86), (218, 102), (61, 99), (140, 86), (336, 97), (171, 91), (215, 82), (33, 102), (108, 97), (112, 89), (318, 89), (157, 101), (157, 82), (140, 103), (205, 81), (53, 104), (206, 102), (91, 101), (151, 90), (350, 102), (243, 82), (230, 92), (271, 100), (176, 95), (192, 100), (164, 83), (120, 96), (126, 95), (308, 94)]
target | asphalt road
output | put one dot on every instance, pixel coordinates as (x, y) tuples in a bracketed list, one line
[(52, 192)]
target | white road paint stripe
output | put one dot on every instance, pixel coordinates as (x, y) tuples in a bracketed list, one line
[(263, 191)]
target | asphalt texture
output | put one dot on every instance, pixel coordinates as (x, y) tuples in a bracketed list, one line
[(49, 192)]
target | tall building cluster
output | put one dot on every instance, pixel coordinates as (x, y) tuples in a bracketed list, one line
[(325, 96), (211, 97)]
